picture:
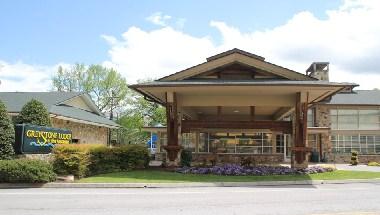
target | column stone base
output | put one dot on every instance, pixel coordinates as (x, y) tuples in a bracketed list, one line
[(303, 165), (172, 155), (296, 165)]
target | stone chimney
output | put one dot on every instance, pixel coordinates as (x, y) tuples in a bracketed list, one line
[(319, 70)]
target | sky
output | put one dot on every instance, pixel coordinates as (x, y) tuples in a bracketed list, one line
[(151, 39)]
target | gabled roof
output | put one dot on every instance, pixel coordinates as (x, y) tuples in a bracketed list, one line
[(236, 56), (359, 97), (16, 100), (55, 104), (236, 72)]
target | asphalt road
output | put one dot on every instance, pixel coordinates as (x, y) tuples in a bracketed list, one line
[(293, 200)]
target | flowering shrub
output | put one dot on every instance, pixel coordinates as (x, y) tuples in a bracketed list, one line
[(237, 170)]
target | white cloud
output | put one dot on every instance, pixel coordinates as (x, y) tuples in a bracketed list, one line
[(159, 19), (157, 53), (24, 77), (348, 38)]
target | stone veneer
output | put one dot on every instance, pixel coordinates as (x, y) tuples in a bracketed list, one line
[(83, 132), (322, 119)]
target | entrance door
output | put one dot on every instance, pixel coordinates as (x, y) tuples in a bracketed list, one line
[(287, 146), (283, 145)]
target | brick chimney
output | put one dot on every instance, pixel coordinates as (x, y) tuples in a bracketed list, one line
[(319, 70)]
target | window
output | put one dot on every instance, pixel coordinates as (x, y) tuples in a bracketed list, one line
[(334, 119), (221, 142), (280, 143), (364, 144), (203, 142), (312, 142), (352, 119), (310, 117), (163, 141), (188, 141), (347, 119), (369, 119)]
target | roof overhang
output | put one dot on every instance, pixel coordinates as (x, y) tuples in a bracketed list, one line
[(317, 90)]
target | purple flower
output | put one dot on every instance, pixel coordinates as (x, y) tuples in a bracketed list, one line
[(236, 170)]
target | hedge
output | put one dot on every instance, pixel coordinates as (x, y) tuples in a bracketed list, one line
[(103, 160), (26, 171), (71, 160), (86, 159)]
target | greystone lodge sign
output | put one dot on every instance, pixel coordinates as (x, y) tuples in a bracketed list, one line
[(32, 139)]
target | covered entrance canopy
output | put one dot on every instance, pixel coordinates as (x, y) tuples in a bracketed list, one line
[(237, 90)]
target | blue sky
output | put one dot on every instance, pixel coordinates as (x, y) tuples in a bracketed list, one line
[(150, 39), (48, 32)]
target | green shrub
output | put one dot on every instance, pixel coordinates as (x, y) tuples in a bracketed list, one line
[(186, 157), (7, 134), (71, 160), (373, 163), (34, 112), (26, 171), (104, 160), (133, 156), (86, 159), (354, 158)]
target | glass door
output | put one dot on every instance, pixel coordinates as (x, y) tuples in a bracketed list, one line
[(287, 146)]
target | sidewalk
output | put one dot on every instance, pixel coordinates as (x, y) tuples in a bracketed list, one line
[(357, 168), (183, 185)]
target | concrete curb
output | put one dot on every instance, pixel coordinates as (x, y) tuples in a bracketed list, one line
[(184, 185)]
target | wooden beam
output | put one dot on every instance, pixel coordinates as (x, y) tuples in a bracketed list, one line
[(236, 100), (192, 125), (172, 146), (219, 112), (252, 113), (300, 133), (282, 112)]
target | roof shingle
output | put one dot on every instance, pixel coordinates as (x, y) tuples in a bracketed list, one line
[(14, 102)]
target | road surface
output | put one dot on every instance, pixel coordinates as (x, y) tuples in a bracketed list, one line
[(344, 199)]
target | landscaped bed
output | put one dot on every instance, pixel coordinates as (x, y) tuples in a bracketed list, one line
[(238, 170), (160, 176)]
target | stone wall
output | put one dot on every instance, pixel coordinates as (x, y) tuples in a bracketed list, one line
[(45, 157), (322, 116), (83, 132), (323, 119)]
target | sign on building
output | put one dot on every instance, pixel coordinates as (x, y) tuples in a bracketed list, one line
[(32, 139)]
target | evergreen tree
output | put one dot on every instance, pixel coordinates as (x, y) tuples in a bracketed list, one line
[(34, 112), (7, 134)]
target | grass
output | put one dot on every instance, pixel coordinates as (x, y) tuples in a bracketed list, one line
[(156, 176)]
